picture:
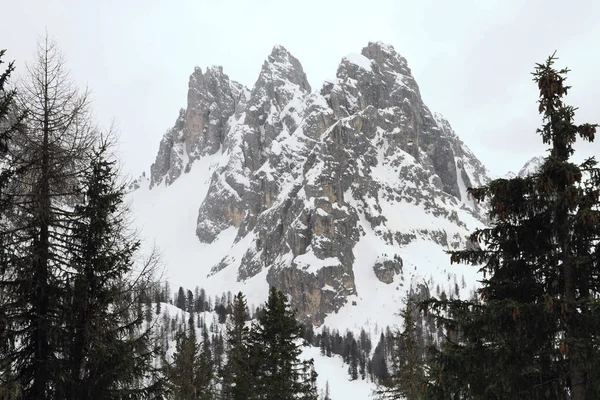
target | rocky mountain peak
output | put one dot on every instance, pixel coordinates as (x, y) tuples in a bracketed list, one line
[(378, 76), (281, 65), (199, 130), (385, 56), (275, 106), (392, 65), (322, 189), (531, 166)]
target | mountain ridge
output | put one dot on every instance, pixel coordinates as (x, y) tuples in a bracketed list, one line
[(319, 193)]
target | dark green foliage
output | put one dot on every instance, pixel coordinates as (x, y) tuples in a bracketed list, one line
[(354, 355), (379, 361), (408, 377), (326, 394), (180, 300), (532, 333), (191, 372), (107, 353), (66, 298), (274, 355), (46, 157), (237, 373), (10, 118), (10, 124)]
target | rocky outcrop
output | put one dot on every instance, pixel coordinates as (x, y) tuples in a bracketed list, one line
[(201, 128), (242, 187), (386, 269), (305, 176), (171, 154)]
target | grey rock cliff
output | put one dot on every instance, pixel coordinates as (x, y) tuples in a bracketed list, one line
[(201, 128), (305, 176)]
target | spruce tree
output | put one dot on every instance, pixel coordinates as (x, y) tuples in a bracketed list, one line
[(10, 124), (274, 355), (237, 373), (353, 361), (533, 330), (326, 395), (379, 361), (10, 117), (408, 377), (190, 373), (180, 300), (66, 326), (107, 352)]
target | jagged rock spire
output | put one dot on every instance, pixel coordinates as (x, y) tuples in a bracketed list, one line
[(305, 178)]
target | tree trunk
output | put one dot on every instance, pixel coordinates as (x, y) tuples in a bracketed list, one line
[(40, 261), (576, 364)]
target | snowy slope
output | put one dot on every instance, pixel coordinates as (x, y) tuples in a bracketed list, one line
[(166, 219), (331, 370), (346, 199), (334, 371)]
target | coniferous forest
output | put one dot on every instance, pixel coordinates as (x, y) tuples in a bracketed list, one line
[(84, 315)]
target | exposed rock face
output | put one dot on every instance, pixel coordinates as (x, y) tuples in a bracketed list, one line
[(386, 269), (305, 177), (201, 128), (531, 166)]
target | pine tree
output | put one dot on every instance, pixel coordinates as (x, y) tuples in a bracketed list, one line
[(353, 361), (379, 360), (107, 353), (190, 302), (65, 300), (274, 355), (201, 301), (532, 333), (10, 117), (326, 395)]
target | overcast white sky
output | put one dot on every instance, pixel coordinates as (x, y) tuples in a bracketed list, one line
[(471, 59)]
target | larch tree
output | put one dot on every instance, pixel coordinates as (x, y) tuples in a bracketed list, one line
[(68, 279), (533, 330), (48, 155)]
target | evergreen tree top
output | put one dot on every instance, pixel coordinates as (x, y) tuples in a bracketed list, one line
[(532, 331)]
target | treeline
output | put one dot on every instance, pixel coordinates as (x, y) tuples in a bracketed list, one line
[(239, 358), (79, 308), (365, 360), (197, 301), (376, 363)]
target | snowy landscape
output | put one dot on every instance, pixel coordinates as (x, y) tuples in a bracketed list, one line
[(316, 201), (400, 207)]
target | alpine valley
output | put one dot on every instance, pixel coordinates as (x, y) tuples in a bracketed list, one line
[(345, 198)]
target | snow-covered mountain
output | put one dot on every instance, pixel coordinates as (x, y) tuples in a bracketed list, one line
[(344, 198), (530, 167)]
